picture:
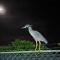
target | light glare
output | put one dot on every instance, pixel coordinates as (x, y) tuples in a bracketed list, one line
[(2, 10)]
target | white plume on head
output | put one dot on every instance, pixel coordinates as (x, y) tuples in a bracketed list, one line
[(27, 25)]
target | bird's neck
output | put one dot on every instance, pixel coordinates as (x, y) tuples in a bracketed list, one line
[(29, 29)]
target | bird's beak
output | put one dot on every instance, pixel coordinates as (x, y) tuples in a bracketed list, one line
[(22, 27)]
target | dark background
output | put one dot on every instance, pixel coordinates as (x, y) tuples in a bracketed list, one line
[(40, 14)]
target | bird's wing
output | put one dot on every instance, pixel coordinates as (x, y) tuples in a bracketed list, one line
[(39, 36), (36, 34)]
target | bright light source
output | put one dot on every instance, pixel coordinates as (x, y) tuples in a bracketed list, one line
[(2, 10)]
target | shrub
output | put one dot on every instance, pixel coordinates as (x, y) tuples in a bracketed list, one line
[(22, 45)]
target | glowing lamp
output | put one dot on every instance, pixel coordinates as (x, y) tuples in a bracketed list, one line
[(2, 10)]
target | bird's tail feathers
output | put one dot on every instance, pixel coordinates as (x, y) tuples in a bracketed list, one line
[(46, 41)]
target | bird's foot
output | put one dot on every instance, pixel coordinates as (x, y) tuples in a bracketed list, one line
[(35, 50), (39, 50)]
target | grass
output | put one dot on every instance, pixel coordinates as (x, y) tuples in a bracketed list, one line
[(21, 45)]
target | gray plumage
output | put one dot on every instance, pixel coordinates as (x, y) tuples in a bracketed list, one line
[(37, 36)]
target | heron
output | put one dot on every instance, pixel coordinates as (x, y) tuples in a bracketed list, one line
[(37, 36)]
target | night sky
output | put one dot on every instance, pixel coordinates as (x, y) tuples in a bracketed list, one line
[(40, 14)]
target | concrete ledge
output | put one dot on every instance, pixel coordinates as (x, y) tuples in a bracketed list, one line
[(30, 51)]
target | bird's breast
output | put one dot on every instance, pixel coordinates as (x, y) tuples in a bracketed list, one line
[(33, 35)]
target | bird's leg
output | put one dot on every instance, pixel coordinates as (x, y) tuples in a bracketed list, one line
[(39, 45), (36, 46)]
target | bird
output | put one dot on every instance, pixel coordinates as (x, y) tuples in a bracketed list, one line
[(37, 36)]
